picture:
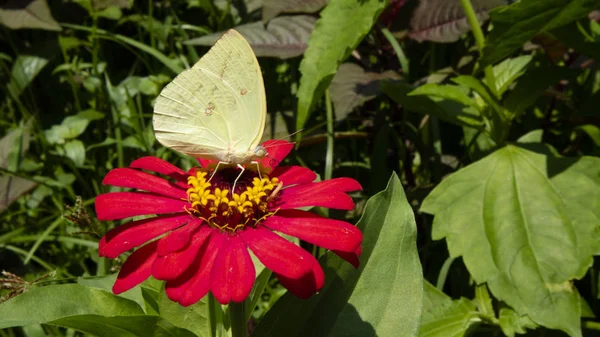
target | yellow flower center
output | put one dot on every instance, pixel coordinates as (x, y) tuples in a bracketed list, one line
[(231, 211)]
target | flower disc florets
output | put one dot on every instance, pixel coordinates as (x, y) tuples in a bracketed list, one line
[(231, 211)]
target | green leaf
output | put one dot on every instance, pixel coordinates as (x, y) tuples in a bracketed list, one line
[(342, 26), (19, 14), (445, 91), (50, 303), (512, 323), (473, 83), (111, 13), (532, 85), (106, 283), (518, 23), (507, 71), (193, 318), (72, 126), (75, 150), (12, 150), (352, 86), (527, 224), (447, 110), (125, 326), (24, 70), (382, 298), (284, 37), (444, 317)]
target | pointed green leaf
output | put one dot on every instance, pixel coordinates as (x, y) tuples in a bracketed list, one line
[(450, 92), (527, 224), (25, 69), (382, 298), (507, 71), (342, 26), (46, 304)]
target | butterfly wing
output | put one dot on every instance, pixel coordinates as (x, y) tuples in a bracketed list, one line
[(217, 107)]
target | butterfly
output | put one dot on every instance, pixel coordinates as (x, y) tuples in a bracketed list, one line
[(216, 110)]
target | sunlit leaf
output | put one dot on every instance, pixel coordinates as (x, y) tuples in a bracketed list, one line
[(527, 224), (382, 298), (24, 70), (444, 20), (507, 71), (352, 86), (444, 317), (518, 23), (283, 37), (342, 26), (72, 126), (272, 8), (75, 150), (33, 14)]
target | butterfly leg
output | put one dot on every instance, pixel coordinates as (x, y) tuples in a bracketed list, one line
[(238, 177), (216, 169), (257, 168)]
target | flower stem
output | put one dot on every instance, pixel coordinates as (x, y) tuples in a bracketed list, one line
[(399, 52), (237, 316), (480, 40)]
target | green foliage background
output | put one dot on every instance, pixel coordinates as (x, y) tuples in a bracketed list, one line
[(488, 226)]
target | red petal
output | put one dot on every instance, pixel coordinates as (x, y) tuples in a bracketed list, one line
[(326, 233), (195, 282), (351, 257), (276, 253), (233, 273), (136, 269), (277, 150), (119, 205), (337, 200), (126, 177), (179, 238), (171, 266), (291, 175), (160, 166), (135, 233), (307, 285), (207, 162)]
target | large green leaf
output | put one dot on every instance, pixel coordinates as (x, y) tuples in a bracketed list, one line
[(450, 111), (87, 309), (527, 224), (342, 26), (47, 304), (193, 318), (444, 317), (518, 23), (382, 298)]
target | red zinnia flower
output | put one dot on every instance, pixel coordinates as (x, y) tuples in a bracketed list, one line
[(204, 233)]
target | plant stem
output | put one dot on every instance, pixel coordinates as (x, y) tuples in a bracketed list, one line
[(480, 40), (399, 52), (237, 316), (330, 137)]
